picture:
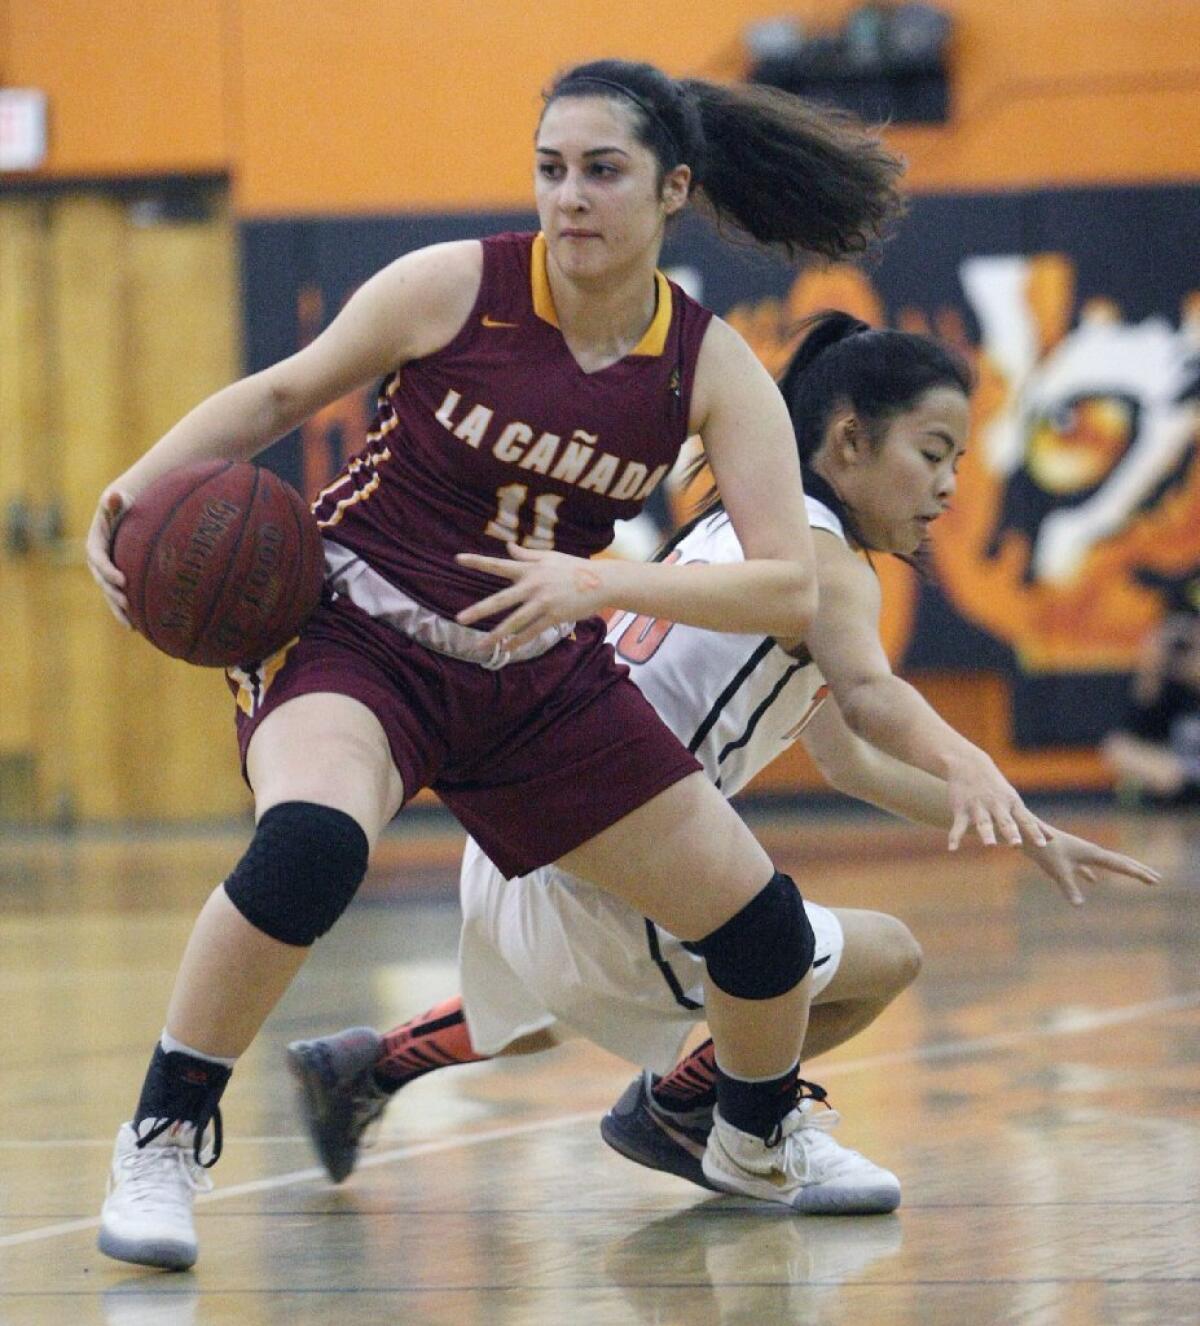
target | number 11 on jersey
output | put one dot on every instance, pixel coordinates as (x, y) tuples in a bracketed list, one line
[(506, 523)]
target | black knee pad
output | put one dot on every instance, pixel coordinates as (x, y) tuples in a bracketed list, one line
[(303, 866), (764, 950)]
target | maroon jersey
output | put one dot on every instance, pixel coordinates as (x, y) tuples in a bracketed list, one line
[(502, 436)]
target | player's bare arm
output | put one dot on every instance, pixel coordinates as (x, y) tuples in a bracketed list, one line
[(858, 769), (411, 308), (886, 711), (740, 415)]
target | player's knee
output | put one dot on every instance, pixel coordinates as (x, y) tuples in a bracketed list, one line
[(901, 954), (302, 868), (764, 950)]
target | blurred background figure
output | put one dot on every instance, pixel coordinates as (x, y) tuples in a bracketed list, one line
[(1155, 752)]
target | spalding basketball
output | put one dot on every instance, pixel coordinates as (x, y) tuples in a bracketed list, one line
[(223, 563)]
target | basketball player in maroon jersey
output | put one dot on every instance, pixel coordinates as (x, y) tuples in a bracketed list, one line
[(537, 389)]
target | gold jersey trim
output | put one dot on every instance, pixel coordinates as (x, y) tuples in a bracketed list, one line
[(254, 683), (653, 342), (363, 494)]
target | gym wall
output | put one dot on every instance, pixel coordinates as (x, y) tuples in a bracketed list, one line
[(387, 106), (1054, 225)]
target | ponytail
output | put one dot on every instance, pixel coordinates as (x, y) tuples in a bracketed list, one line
[(793, 176), (824, 330)]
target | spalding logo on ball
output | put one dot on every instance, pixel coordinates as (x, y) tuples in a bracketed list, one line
[(223, 563)]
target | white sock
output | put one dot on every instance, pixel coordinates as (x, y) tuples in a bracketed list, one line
[(739, 1077), (171, 1046)]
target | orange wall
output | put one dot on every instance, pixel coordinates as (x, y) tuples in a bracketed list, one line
[(390, 105), (135, 88)]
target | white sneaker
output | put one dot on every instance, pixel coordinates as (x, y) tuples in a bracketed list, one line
[(804, 1169), (147, 1215)]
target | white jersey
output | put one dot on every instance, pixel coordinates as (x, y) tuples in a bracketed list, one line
[(550, 946), (735, 701)]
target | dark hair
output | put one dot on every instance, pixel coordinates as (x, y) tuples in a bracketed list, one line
[(791, 175), (878, 374)]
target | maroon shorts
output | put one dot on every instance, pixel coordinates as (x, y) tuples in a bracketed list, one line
[(533, 758)]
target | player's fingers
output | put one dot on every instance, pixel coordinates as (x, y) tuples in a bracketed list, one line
[(521, 554), (957, 829), (117, 604), (494, 566), (96, 549), (1032, 828), (1127, 866), (113, 508), (103, 570), (530, 632), (1064, 881), (109, 514), (527, 615), (501, 601), (509, 632), (1086, 872), (1008, 828), (984, 826)]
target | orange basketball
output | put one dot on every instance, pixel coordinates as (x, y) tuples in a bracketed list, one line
[(223, 563)]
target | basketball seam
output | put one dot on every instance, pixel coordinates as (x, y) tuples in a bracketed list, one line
[(229, 565), (148, 555)]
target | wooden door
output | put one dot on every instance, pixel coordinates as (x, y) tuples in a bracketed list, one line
[(118, 312)]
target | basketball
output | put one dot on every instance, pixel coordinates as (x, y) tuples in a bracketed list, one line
[(223, 563)]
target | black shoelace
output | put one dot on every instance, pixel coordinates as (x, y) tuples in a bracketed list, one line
[(161, 1126), (804, 1091)]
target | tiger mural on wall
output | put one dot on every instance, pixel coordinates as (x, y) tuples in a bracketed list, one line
[(1078, 508)]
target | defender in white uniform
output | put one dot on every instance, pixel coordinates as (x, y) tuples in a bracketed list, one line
[(550, 946), (881, 419)]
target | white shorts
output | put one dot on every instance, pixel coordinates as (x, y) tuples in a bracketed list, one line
[(550, 947)]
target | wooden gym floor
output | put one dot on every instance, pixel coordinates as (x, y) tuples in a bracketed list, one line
[(1037, 1091)]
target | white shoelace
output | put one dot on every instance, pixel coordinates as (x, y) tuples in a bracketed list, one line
[(817, 1146), (804, 1116), (149, 1175)]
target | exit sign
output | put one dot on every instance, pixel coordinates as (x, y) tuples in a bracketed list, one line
[(22, 128)]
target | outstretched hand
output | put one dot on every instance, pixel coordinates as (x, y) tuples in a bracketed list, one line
[(1072, 861), (981, 798), (546, 589), (112, 507)]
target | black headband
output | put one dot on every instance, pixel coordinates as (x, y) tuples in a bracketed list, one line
[(650, 113)]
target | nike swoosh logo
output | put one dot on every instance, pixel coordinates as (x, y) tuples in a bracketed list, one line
[(491, 322), (690, 1145)]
